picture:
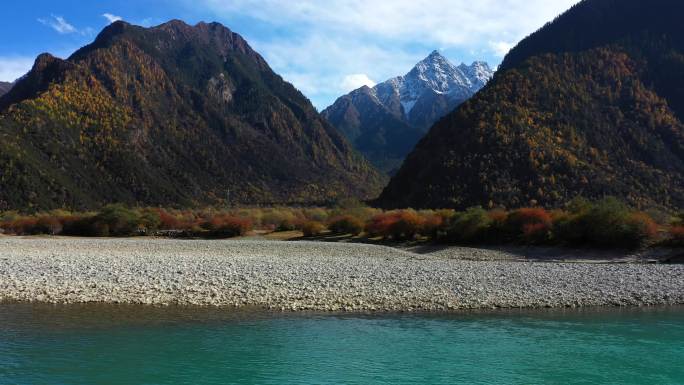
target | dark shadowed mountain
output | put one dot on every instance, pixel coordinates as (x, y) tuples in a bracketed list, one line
[(385, 122), (4, 87), (592, 104), (173, 115)]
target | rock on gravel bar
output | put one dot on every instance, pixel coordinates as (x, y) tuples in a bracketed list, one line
[(294, 276)]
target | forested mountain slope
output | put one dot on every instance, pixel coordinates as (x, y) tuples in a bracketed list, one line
[(590, 105), (173, 115)]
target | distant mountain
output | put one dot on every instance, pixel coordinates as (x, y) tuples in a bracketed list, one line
[(4, 87), (174, 115), (386, 121), (592, 105)]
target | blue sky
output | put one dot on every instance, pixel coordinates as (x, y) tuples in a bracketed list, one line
[(325, 48)]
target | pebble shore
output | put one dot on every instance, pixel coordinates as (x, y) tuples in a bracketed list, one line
[(297, 276)]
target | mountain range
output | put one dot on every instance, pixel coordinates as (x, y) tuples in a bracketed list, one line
[(173, 115), (4, 87), (590, 105), (385, 122)]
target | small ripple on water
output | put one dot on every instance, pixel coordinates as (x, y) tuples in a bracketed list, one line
[(108, 344)]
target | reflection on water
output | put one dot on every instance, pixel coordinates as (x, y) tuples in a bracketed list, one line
[(115, 344)]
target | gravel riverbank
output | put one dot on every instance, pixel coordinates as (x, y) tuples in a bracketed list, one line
[(312, 276)]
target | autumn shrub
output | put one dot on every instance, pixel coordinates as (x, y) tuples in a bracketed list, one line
[(168, 221), (433, 224), (315, 214), (497, 225), (407, 225), (529, 225), (346, 224), (20, 225), (312, 228), (362, 213), (470, 226), (32, 225), (640, 229), (48, 225), (227, 226), (379, 225), (400, 225), (676, 236), (272, 219)]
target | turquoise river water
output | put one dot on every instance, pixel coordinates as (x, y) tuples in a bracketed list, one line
[(98, 344)]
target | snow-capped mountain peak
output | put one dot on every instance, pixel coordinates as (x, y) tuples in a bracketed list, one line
[(386, 121), (479, 73), (436, 74)]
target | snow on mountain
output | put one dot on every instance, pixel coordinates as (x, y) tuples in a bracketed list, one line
[(435, 74), (386, 121)]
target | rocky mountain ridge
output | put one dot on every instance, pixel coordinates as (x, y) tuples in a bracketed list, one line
[(173, 115), (5, 87), (385, 122)]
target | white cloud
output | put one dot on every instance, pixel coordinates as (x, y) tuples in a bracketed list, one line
[(59, 24), (500, 48), (317, 65), (441, 22), (355, 81), (112, 18), (14, 67), (325, 41)]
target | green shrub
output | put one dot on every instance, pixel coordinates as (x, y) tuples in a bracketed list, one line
[(149, 221), (288, 224), (470, 226), (272, 219), (116, 220), (316, 214), (607, 223), (678, 219)]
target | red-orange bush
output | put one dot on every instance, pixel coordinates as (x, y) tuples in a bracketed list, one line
[(380, 224), (498, 217), (44, 224), (48, 225), (168, 221), (227, 226), (642, 226), (400, 225), (676, 235), (530, 224), (432, 225), (407, 225), (20, 226)]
